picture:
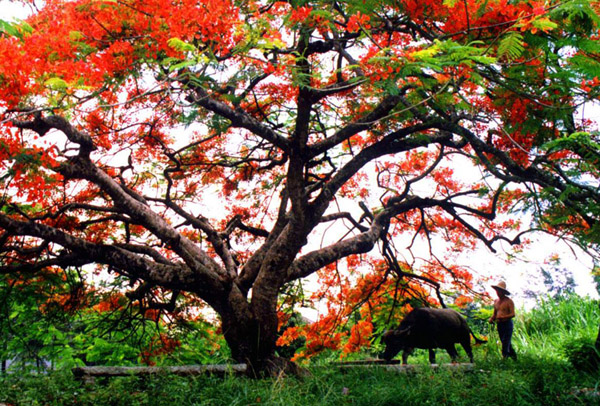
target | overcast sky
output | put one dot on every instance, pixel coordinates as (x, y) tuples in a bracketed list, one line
[(10, 10)]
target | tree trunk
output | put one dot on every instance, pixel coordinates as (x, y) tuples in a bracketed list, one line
[(598, 336), (251, 334), (4, 361)]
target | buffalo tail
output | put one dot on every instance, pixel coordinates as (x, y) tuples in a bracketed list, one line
[(477, 339)]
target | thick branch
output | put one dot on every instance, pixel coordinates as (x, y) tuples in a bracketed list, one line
[(361, 243), (251, 268), (194, 257), (171, 276), (236, 222), (63, 261), (395, 142), (238, 117), (42, 125), (362, 124), (518, 174), (145, 250), (216, 240)]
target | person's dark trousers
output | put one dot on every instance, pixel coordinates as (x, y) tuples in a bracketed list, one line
[(505, 330)]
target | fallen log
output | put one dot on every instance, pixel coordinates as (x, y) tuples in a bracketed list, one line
[(406, 368), (372, 361), (89, 373)]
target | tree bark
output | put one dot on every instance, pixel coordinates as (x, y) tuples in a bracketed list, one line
[(598, 336), (250, 329), (242, 330), (4, 361)]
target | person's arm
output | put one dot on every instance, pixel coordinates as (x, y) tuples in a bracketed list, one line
[(511, 309), (493, 318)]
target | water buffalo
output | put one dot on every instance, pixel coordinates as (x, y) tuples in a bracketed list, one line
[(429, 328)]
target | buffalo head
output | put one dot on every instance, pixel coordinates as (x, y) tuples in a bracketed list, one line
[(395, 341)]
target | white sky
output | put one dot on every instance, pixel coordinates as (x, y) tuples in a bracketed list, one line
[(520, 275), (10, 10)]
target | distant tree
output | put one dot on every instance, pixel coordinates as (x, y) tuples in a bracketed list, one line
[(596, 278), (558, 282), (203, 149)]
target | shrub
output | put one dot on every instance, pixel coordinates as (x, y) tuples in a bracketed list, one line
[(582, 353)]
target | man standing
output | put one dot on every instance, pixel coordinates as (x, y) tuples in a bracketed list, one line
[(504, 311)]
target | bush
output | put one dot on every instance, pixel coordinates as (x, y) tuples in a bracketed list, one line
[(583, 354)]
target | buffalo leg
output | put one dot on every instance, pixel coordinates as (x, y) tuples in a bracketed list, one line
[(467, 347), (452, 352), (405, 355), (431, 356)]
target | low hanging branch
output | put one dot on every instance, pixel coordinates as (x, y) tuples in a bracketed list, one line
[(393, 264)]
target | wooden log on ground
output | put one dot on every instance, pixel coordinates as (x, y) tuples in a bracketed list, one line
[(372, 361), (89, 373), (407, 368)]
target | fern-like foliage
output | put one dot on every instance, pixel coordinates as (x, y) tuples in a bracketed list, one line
[(511, 46), (587, 66)]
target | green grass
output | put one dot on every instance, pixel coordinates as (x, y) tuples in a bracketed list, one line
[(542, 375), (526, 382)]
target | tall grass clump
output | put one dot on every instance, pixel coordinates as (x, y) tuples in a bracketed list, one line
[(583, 354), (554, 322)]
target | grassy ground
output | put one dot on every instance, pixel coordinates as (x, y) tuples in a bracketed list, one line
[(526, 382), (543, 375)]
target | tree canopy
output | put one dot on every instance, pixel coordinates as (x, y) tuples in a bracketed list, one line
[(220, 151)]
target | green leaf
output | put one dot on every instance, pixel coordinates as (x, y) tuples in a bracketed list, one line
[(511, 46), (572, 141), (544, 24), (450, 3), (169, 60), (324, 14), (75, 35), (366, 7), (9, 29), (270, 44), (589, 45), (426, 53), (181, 65), (56, 84), (484, 60), (586, 65), (180, 45)]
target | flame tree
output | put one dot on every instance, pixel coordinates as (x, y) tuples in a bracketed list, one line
[(204, 148)]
